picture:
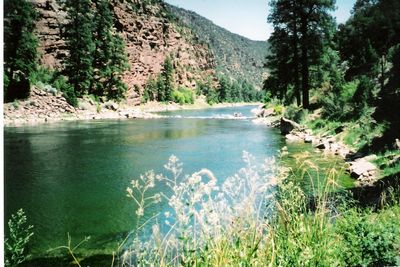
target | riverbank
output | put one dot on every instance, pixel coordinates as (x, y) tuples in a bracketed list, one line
[(46, 107), (360, 166)]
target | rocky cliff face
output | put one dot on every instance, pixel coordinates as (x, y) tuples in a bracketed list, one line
[(149, 36)]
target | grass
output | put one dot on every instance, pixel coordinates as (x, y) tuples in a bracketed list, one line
[(389, 162)]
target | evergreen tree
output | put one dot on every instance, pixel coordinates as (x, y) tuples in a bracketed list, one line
[(168, 74), (80, 43), (301, 29), (20, 47), (224, 89), (109, 60)]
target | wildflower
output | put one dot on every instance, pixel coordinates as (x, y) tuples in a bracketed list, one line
[(130, 192), (140, 211)]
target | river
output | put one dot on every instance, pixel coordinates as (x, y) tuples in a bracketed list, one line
[(71, 177)]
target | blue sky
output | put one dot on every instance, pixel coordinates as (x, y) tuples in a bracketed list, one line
[(247, 17)]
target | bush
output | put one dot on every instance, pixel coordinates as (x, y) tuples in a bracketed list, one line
[(182, 96), (279, 109), (43, 75), (295, 113), (68, 91), (338, 105), (15, 244), (370, 239)]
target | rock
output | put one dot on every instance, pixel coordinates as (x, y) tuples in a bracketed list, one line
[(321, 146), (293, 138), (361, 167), (308, 139), (287, 126), (263, 113), (371, 157)]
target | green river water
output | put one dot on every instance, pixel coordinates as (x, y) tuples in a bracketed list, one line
[(71, 177)]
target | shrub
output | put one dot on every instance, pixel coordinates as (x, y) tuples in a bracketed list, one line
[(370, 239), (278, 109), (183, 96), (295, 113), (337, 105), (15, 244), (68, 91)]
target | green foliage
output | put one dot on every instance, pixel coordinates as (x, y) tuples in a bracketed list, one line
[(17, 240), (228, 230), (337, 105), (370, 239), (20, 44), (66, 88), (295, 113), (80, 45), (161, 88), (278, 109), (168, 76), (236, 91), (109, 58), (212, 96), (302, 34), (183, 96)]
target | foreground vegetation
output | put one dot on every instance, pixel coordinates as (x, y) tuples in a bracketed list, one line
[(261, 216)]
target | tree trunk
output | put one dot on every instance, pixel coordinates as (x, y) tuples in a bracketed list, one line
[(304, 63), (296, 64)]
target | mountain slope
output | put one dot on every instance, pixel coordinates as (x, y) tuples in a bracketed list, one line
[(236, 56), (149, 37)]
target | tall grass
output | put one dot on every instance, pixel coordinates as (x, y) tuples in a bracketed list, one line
[(259, 217)]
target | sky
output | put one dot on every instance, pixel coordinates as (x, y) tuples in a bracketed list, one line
[(247, 17)]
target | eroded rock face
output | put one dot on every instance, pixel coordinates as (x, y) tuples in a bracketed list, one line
[(149, 37)]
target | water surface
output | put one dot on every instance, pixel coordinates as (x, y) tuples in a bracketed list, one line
[(71, 177)]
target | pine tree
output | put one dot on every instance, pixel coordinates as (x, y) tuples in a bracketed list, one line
[(301, 29), (80, 43), (168, 74), (109, 60), (20, 47)]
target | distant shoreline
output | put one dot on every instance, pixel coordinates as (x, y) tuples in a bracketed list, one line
[(41, 109)]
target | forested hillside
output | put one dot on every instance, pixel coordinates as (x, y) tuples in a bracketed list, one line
[(236, 56), (121, 50)]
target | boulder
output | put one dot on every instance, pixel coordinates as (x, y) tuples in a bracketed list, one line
[(361, 167), (263, 113), (293, 138), (287, 126)]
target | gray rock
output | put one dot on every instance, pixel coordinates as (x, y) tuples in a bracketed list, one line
[(361, 167), (287, 126)]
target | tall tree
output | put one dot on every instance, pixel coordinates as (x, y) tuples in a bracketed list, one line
[(168, 74), (109, 59), (284, 59), (316, 25), (20, 47), (80, 43), (300, 32)]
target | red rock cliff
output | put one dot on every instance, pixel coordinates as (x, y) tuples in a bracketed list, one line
[(149, 38)]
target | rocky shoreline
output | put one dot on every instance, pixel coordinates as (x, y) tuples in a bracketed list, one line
[(50, 106), (45, 107), (360, 167)]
